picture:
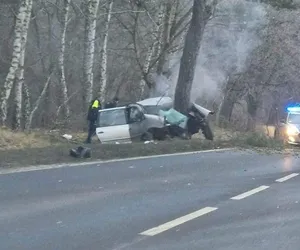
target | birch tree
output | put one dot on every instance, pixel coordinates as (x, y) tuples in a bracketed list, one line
[(170, 11), (27, 105), (17, 47), (37, 104), (169, 27), (20, 71), (91, 10), (103, 69), (154, 46), (61, 58)]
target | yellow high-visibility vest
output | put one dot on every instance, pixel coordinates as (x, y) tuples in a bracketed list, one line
[(96, 104)]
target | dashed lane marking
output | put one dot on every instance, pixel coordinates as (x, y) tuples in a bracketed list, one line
[(249, 193), (178, 221), (283, 179)]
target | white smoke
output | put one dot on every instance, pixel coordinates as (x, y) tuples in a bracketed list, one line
[(228, 40)]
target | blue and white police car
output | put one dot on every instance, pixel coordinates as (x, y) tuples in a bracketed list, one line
[(292, 125)]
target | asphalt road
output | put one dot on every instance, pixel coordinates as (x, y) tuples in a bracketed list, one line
[(213, 200)]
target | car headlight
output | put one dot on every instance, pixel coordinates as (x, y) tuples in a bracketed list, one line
[(292, 130)]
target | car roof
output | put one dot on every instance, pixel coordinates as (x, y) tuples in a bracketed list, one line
[(155, 101), (110, 109), (121, 107)]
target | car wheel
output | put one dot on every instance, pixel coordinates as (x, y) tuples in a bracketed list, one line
[(207, 132), (148, 136)]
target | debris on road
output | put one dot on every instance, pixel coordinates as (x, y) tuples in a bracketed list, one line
[(67, 136), (80, 152)]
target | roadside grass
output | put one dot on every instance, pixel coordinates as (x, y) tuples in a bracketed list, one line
[(40, 147), (16, 140), (10, 140), (258, 140)]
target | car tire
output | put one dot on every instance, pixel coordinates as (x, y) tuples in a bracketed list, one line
[(148, 136), (207, 132)]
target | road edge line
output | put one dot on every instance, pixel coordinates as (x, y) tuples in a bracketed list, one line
[(90, 163)]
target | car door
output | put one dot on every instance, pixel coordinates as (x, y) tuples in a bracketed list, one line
[(113, 126), (136, 121)]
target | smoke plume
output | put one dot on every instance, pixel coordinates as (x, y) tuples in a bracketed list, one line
[(229, 38)]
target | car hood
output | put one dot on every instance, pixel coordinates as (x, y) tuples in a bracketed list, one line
[(296, 125), (203, 110), (154, 121)]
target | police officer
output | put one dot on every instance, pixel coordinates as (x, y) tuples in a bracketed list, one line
[(112, 104), (92, 117)]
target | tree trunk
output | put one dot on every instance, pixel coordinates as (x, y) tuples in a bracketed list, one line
[(61, 58), (9, 81), (27, 106), (189, 57), (89, 46), (151, 49), (103, 69), (50, 103), (225, 111), (165, 37), (20, 71), (252, 107), (37, 104)]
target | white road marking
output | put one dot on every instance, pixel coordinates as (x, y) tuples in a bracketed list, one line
[(178, 221), (98, 163), (287, 177), (251, 192)]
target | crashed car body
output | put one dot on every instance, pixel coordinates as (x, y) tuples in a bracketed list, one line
[(182, 125), (128, 123)]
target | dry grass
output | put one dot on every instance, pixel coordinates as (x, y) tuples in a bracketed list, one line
[(41, 139), (18, 140), (220, 134), (10, 140)]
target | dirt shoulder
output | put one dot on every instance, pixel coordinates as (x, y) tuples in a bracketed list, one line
[(60, 153), (38, 148)]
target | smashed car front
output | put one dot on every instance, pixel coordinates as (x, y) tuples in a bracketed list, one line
[(155, 121), (205, 112)]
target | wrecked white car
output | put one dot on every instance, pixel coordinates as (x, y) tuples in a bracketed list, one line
[(151, 119), (129, 123)]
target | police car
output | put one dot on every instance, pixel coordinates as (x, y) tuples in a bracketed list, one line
[(292, 125)]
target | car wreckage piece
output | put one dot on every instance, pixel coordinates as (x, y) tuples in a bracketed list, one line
[(196, 117), (197, 120)]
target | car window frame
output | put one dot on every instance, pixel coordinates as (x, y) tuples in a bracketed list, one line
[(140, 109), (112, 110)]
